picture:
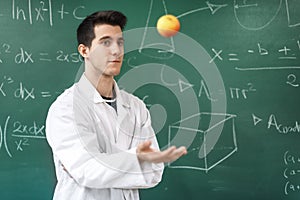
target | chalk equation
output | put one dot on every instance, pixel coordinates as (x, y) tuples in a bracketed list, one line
[(235, 93), (285, 52), (23, 55), (20, 134), (291, 173), (20, 91), (42, 11)]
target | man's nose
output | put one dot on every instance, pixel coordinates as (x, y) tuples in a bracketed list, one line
[(116, 49)]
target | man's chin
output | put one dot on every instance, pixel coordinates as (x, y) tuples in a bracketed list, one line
[(111, 73)]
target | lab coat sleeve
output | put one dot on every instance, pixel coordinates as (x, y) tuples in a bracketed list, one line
[(152, 171), (84, 162)]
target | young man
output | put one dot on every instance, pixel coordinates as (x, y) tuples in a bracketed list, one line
[(102, 141)]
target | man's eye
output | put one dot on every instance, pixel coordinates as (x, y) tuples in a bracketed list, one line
[(121, 43), (106, 42)]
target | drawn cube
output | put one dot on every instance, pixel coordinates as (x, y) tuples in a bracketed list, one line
[(211, 143)]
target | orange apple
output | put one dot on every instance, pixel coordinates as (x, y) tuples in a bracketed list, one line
[(168, 25)]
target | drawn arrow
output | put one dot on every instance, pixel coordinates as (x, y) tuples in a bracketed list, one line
[(244, 6), (212, 7)]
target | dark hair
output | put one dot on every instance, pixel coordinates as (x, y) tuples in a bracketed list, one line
[(85, 31)]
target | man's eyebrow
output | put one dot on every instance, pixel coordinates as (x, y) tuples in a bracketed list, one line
[(104, 38), (109, 37)]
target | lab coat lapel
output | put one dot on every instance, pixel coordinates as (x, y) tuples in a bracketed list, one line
[(125, 122)]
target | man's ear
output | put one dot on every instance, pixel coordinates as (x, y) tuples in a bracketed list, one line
[(83, 50)]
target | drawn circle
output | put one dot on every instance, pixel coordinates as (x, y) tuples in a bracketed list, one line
[(191, 51)]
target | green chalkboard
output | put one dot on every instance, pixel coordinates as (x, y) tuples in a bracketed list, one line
[(227, 86)]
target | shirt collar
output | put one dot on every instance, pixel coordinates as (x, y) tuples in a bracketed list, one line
[(89, 91)]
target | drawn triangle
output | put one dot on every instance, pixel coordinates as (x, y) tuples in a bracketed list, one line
[(256, 119), (183, 85), (213, 7)]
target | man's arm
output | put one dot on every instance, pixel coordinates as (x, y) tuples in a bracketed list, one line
[(80, 156)]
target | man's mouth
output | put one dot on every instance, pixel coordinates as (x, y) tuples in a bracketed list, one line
[(115, 61)]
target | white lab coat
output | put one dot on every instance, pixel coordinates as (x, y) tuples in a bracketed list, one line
[(94, 147)]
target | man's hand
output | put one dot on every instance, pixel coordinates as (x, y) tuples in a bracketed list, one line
[(146, 153)]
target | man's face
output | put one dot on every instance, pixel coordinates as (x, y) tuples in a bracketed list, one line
[(106, 53)]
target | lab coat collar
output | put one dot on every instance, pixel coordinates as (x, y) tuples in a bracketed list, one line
[(89, 91)]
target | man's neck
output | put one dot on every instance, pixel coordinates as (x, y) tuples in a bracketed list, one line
[(103, 84)]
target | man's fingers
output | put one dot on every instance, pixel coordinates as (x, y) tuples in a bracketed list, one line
[(182, 150), (174, 150), (144, 146), (169, 150), (176, 153), (169, 155)]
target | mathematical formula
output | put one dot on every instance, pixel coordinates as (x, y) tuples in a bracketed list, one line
[(22, 55), (284, 52), (21, 91), (20, 134), (41, 11)]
